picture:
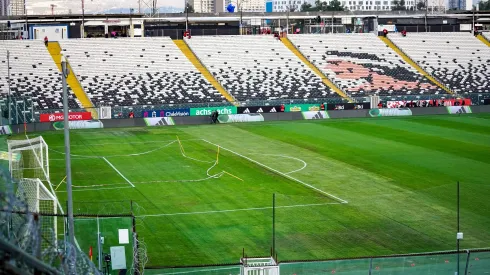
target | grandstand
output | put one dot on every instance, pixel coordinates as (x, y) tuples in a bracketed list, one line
[(459, 60), (258, 68), (33, 74), (361, 64), (123, 72)]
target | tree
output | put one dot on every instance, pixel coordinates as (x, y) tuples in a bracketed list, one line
[(189, 8), (335, 5), (399, 5), (307, 7), (484, 5), (421, 5)]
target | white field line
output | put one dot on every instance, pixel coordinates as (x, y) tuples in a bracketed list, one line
[(120, 174), (197, 271), (127, 155), (281, 173), (285, 156), (237, 210), (131, 142), (96, 189)]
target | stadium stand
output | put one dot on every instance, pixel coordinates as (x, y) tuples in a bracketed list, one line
[(258, 68), (126, 72), (33, 75), (457, 59), (361, 65)]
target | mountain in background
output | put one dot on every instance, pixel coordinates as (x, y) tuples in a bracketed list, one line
[(127, 10)]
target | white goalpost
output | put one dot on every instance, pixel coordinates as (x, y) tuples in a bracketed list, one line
[(28, 158), (29, 168)]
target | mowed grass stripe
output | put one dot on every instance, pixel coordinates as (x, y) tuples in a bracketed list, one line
[(481, 139), (438, 143), (468, 123)]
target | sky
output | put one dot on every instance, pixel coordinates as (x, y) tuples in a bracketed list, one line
[(91, 6)]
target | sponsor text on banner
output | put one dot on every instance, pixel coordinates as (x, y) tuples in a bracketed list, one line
[(60, 117)]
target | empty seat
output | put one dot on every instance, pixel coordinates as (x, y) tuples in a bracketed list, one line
[(137, 71), (258, 67), (459, 60), (361, 64)]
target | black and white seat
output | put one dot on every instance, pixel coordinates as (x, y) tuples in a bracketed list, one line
[(125, 72), (258, 68), (361, 64), (33, 74), (459, 60)]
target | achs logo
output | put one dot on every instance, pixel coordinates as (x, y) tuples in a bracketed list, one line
[(52, 117)]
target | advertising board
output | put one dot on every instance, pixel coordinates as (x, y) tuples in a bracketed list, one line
[(259, 109), (59, 116)]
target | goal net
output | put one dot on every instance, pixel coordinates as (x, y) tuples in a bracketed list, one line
[(28, 158), (40, 200), (29, 168)]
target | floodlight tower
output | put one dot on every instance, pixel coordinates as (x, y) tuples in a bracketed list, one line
[(148, 7)]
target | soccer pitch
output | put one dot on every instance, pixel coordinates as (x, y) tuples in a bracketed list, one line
[(344, 188)]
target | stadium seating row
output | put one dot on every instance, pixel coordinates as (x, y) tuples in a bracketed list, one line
[(152, 71)]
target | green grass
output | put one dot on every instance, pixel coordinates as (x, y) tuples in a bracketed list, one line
[(398, 175)]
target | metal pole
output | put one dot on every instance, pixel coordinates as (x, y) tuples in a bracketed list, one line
[(186, 15), (27, 23), (241, 17), (457, 239), (425, 15), (287, 21), (467, 262), (71, 225), (99, 245), (371, 266), (8, 83), (273, 224), (83, 19)]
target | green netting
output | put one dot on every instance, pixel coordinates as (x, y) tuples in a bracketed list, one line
[(478, 263), (86, 230), (209, 270)]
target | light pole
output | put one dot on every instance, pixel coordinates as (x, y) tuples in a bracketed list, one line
[(83, 19), (71, 225), (187, 15), (8, 83)]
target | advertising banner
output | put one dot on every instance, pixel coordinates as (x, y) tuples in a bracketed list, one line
[(240, 118), (349, 106), (302, 107), (5, 130), (83, 124), (166, 113), (486, 101), (258, 109), (315, 115), (459, 109), (60, 117), (206, 111), (177, 112), (390, 112), (159, 121), (426, 103)]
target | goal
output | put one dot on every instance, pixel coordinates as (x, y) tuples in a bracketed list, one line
[(29, 168), (40, 200), (28, 158)]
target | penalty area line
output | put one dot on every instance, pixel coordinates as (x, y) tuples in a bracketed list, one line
[(280, 173), (120, 174), (238, 210)]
